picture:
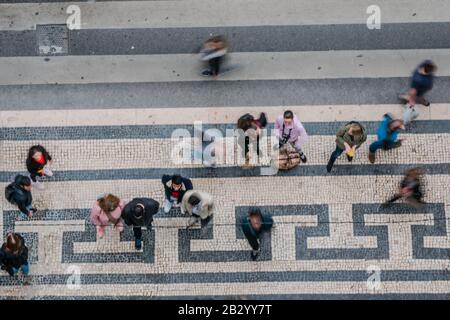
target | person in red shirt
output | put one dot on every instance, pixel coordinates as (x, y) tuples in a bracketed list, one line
[(38, 161)]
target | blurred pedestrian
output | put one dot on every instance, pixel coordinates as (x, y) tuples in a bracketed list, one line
[(410, 189), (387, 135), (421, 83), (253, 226), (213, 52)]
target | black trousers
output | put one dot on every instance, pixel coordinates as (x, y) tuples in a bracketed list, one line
[(254, 243), (137, 232), (247, 144), (214, 65), (417, 196)]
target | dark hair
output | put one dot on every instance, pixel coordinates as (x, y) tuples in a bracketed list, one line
[(263, 120), (193, 200), (34, 149), (429, 67), (253, 212), (138, 210), (23, 181), (414, 173), (176, 179), (288, 114)]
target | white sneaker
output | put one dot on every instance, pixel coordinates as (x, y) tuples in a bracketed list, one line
[(47, 171), (38, 185)]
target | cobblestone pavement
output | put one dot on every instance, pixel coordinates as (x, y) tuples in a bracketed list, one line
[(126, 82)]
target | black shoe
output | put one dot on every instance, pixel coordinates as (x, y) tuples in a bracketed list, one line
[(426, 103), (303, 157), (329, 166), (34, 210), (254, 255), (207, 73)]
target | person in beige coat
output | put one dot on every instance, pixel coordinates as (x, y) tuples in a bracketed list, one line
[(198, 204)]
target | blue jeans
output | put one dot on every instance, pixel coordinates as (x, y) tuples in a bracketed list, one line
[(25, 269), (336, 153), (381, 144)]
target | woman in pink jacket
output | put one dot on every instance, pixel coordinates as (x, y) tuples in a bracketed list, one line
[(289, 129), (107, 211)]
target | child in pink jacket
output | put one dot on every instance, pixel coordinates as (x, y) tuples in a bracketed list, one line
[(107, 211)]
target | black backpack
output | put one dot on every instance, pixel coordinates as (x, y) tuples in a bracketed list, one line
[(9, 192)]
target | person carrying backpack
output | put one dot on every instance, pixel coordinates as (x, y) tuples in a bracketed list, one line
[(18, 193), (252, 130)]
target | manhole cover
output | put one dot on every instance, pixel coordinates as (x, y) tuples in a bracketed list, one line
[(52, 39)]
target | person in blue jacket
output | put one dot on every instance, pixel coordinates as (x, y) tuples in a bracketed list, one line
[(253, 226), (387, 136)]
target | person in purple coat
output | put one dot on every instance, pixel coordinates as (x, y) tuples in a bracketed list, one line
[(289, 129)]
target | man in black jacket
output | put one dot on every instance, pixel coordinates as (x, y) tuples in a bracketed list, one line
[(19, 194), (14, 255), (174, 189), (139, 213), (253, 226)]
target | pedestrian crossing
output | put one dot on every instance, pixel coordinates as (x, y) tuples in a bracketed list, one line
[(107, 109)]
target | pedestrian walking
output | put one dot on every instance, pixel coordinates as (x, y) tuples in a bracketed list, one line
[(253, 226), (410, 189), (387, 136), (421, 83), (14, 256), (38, 165), (252, 131), (139, 213), (199, 205), (175, 187), (213, 52), (349, 138), (107, 211), (289, 129), (18, 193)]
